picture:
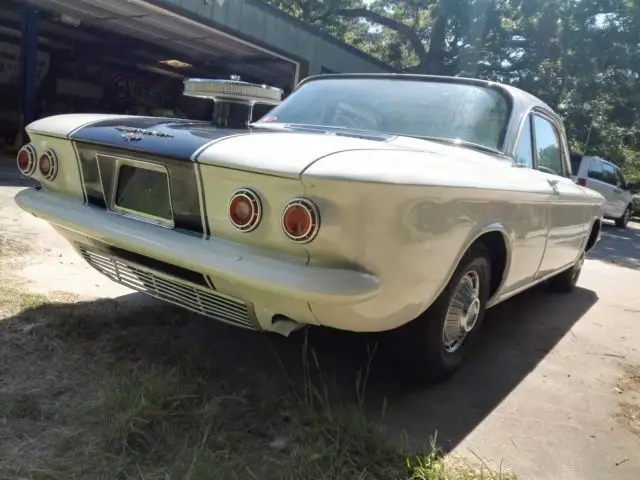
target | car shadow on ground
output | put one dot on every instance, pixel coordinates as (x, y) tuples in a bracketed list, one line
[(9, 177), (620, 246), (516, 336)]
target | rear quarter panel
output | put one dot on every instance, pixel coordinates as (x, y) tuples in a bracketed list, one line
[(408, 217), (218, 186), (68, 182)]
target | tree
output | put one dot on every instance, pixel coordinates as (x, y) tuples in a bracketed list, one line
[(580, 56)]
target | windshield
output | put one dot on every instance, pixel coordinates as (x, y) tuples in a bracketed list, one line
[(435, 109)]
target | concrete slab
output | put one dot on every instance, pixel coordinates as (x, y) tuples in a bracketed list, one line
[(48, 263)]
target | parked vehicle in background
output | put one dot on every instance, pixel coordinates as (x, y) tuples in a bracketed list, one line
[(369, 203), (605, 178), (635, 209)]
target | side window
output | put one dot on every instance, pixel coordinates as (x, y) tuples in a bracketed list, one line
[(596, 170), (523, 154), (548, 151), (609, 175)]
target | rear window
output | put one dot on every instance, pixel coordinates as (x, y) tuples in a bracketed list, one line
[(442, 109), (575, 163)]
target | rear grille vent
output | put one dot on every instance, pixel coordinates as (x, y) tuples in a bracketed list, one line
[(169, 289)]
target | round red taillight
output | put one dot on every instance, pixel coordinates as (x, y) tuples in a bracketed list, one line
[(48, 164), (245, 210), (301, 220), (27, 160)]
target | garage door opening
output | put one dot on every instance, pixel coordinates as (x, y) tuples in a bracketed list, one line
[(117, 56)]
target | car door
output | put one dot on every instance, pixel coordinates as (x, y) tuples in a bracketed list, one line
[(597, 180), (624, 196), (567, 215), (529, 238), (611, 180)]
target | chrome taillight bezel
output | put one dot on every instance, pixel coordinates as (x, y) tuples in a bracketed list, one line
[(32, 155), (314, 215), (53, 162), (256, 205)]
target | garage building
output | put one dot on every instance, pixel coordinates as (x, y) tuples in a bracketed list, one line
[(130, 56)]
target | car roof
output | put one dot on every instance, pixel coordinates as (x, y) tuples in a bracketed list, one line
[(595, 157)]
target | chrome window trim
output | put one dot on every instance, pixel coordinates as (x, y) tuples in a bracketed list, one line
[(559, 132)]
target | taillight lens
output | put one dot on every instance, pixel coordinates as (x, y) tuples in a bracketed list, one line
[(245, 210), (582, 182), (301, 220), (48, 164), (26, 160)]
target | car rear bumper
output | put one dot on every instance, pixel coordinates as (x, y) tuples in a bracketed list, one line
[(226, 263)]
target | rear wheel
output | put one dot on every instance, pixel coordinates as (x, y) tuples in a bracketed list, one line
[(624, 219), (565, 282), (434, 344)]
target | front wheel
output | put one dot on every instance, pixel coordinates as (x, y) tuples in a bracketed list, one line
[(435, 343), (624, 219)]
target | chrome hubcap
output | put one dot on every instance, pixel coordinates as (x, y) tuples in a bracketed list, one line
[(463, 312)]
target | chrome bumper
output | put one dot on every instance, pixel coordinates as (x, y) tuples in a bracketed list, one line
[(245, 265)]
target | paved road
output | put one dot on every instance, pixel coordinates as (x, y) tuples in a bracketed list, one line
[(538, 393)]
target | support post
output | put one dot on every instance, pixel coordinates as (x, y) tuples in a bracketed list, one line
[(28, 68)]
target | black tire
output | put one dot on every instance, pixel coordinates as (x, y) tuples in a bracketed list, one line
[(624, 219), (422, 341), (566, 281)]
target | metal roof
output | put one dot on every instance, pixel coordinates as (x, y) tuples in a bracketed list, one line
[(191, 41), (249, 37)]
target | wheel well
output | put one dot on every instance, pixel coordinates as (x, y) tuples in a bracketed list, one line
[(496, 246), (593, 236)]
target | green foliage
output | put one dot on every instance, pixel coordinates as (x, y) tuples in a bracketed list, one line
[(580, 56)]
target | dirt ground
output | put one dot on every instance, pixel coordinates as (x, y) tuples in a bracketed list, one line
[(552, 392), (44, 260)]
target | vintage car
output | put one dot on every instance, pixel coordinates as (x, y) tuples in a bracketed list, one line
[(400, 203)]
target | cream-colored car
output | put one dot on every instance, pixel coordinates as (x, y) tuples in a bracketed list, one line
[(368, 203)]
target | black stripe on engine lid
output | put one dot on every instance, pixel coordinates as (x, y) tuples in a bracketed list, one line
[(98, 171), (179, 139)]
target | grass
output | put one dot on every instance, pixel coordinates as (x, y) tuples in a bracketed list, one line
[(629, 384), (98, 390), (630, 416), (631, 379)]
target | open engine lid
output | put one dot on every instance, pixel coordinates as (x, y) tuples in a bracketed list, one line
[(232, 91)]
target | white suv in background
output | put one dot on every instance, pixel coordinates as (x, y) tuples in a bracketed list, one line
[(606, 178)]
